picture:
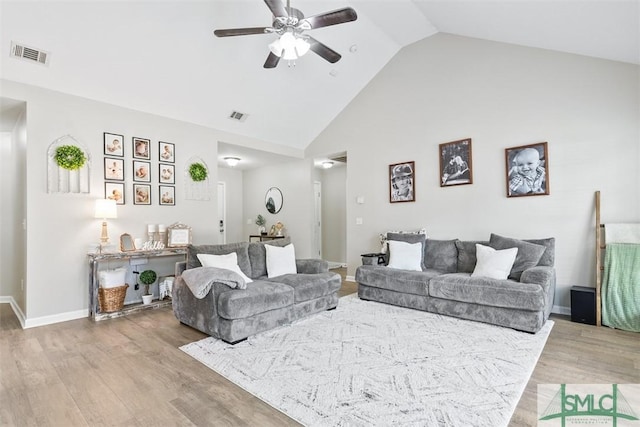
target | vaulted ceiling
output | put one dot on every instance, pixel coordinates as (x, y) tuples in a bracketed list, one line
[(162, 57)]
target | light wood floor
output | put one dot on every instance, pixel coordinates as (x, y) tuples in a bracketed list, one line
[(130, 372)]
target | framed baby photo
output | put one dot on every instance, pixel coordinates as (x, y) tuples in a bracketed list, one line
[(141, 148), (455, 163), (167, 195), (114, 191), (141, 194), (527, 170), (402, 182), (166, 173), (166, 152), (113, 144), (141, 171), (113, 169)]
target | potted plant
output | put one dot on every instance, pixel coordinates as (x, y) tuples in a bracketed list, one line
[(147, 278), (260, 222)]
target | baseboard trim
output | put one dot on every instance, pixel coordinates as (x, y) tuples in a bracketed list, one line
[(55, 318), (560, 309), (15, 307), (350, 278)]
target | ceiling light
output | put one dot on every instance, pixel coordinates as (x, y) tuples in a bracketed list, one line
[(327, 164), (232, 161), (289, 46)]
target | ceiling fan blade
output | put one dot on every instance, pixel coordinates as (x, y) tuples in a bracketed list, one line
[(272, 61), (240, 31), (332, 18), (323, 50), (276, 7)]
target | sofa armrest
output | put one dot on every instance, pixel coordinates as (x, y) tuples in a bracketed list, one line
[(543, 276), (179, 268), (311, 266)]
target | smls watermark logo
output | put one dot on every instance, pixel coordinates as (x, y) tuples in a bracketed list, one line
[(615, 405)]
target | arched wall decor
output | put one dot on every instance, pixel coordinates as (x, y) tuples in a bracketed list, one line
[(64, 180), (199, 189)]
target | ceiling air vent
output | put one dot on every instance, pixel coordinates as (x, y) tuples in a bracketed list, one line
[(29, 53), (236, 115)]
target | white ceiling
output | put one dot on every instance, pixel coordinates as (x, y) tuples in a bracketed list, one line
[(162, 57)]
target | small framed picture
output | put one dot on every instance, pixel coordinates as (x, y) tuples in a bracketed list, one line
[(141, 148), (178, 235), (141, 194), (141, 171), (527, 170), (113, 144), (166, 173), (402, 182), (455, 163), (113, 169), (166, 152), (167, 195), (114, 191)]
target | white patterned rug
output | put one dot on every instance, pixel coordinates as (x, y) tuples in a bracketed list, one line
[(368, 363)]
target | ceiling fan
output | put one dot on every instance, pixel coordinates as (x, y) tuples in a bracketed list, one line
[(290, 24)]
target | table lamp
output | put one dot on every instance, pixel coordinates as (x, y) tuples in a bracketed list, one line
[(105, 209)]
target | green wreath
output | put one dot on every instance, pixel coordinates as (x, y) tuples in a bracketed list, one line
[(198, 172), (70, 157)]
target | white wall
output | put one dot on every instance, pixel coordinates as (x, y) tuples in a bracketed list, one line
[(233, 179), (334, 214), (446, 88)]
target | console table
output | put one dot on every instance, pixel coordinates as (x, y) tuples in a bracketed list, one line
[(264, 237), (96, 258)]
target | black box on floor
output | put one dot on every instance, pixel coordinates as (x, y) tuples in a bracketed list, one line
[(583, 305)]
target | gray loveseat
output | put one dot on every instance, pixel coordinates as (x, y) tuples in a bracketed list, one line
[(445, 286), (235, 314)]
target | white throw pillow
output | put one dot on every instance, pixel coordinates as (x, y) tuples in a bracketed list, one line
[(405, 256), (280, 260), (492, 263), (228, 262), (112, 278)]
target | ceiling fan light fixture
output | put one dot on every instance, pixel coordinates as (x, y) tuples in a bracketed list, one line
[(289, 54), (232, 161), (302, 46), (327, 165), (276, 47)]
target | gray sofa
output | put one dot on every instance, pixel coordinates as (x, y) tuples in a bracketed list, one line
[(235, 314), (445, 286)]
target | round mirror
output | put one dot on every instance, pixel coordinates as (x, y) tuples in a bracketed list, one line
[(273, 200)]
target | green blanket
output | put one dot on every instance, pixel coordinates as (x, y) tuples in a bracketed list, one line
[(621, 287)]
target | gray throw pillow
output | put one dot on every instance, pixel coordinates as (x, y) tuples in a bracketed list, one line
[(528, 256), (409, 238), (548, 257), (467, 254), (240, 248), (441, 255)]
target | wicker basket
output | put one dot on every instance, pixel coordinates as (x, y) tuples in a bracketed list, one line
[(112, 299)]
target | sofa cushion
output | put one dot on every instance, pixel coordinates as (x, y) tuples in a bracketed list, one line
[(311, 286), (548, 257), (528, 256), (259, 297), (258, 255), (441, 255), (406, 256), (404, 281), (240, 248), (484, 291), (467, 254), (407, 238), (494, 263)]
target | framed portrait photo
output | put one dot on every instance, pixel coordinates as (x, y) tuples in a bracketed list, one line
[(402, 182), (167, 195), (141, 194), (527, 170), (167, 173), (113, 169), (113, 144), (166, 152), (455, 163), (141, 171), (114, 191), (141, 148)]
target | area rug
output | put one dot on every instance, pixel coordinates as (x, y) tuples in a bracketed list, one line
[(368, 364)]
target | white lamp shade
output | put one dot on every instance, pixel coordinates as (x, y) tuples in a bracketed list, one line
[(276, 47), (302, 46), (106, 209), (289, 54)]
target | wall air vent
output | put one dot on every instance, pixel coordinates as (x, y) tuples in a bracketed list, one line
[(236, 115), (18, 50)]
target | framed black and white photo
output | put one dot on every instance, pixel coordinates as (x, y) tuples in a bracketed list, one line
[(166, 173), (527, 170), (167, 195), (141, 194), (402, 182), (113, 144), (455, 163), (113, 169), (141, 148), (166, 152), (141, 171), (114, 191)]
